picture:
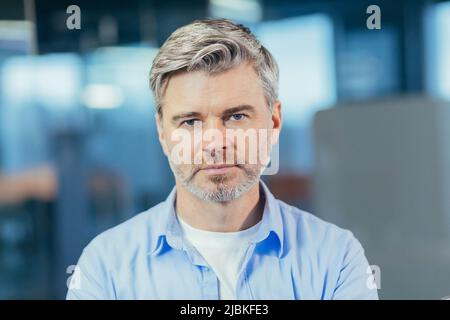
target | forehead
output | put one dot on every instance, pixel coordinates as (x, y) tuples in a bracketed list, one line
[(202, 92)]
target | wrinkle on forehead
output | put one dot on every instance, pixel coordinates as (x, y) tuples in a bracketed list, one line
[(205, 93)]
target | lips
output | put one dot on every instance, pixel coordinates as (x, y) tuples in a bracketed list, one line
[(218, 166), (218, 169)]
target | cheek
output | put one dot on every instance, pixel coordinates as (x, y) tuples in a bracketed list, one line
[(180, 147), (164, 139)]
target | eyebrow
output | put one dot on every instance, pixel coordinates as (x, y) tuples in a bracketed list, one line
[(227, 112), (233, 110)]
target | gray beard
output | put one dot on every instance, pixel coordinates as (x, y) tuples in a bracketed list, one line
[(223, 193)]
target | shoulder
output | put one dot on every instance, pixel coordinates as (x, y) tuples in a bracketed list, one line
[(337, 258), (314, 233), (112, 254), (311, 224), (128, 238)]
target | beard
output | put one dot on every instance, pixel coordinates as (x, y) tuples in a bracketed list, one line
[(223, 190)]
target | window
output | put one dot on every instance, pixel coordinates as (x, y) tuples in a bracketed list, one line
[(303, 48), (438, 50)]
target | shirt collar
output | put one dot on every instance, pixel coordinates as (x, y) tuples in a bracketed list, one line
[(167, 231)]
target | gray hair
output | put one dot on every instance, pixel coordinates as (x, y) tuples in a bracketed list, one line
[(213, 46)]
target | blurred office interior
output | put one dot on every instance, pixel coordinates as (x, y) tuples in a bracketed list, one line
[(365, 141)]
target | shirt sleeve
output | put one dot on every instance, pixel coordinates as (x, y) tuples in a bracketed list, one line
[(90, 277), (355, 281)]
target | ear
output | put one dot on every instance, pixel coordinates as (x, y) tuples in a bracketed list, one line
[(276, 122), (161, 137)]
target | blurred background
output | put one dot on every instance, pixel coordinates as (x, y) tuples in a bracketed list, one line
[(365, 142)]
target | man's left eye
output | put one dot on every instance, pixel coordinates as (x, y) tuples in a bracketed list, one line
[(238, 116)]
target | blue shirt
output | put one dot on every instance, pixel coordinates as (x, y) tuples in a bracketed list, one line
[(294, 255)]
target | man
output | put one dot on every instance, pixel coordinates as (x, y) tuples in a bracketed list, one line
[(220, 234)]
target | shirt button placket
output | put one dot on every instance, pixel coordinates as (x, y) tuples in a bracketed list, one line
[(210, 284)]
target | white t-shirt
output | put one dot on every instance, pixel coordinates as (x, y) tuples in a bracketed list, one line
[(223, 251)]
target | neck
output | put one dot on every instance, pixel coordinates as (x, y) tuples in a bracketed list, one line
[(236, 215)]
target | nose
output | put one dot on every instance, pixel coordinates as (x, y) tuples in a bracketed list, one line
[(214, 142)]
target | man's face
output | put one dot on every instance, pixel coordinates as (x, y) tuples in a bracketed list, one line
[(223, 127)]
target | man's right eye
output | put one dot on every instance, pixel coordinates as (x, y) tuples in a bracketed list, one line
[(189, 122)]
